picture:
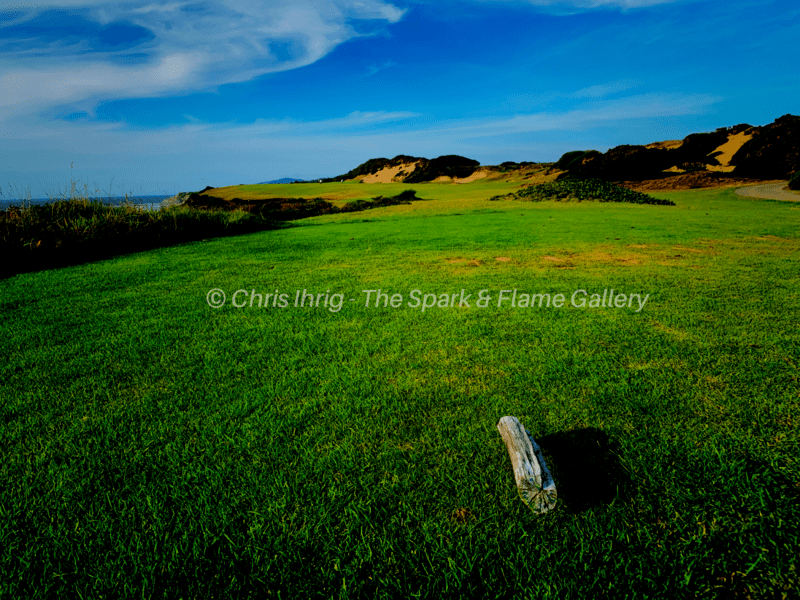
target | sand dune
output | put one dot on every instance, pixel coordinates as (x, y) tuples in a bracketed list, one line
[(728, 149), (478, 174), (389, 174), (668, 145)]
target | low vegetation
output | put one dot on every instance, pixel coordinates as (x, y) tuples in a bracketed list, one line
[(568, 188), (794, 181), (292, 209), (74, 230)]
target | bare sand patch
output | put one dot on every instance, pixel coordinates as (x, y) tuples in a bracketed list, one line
[(389, 174), (678, 334), (728, 149), (771, 238), (561, 263), (502, 258), (731, 147), (478, 174), (603, 257), (690, 250), (608, 257)]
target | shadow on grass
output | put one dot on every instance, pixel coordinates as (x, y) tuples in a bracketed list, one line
[(585, 467), (90, 250)]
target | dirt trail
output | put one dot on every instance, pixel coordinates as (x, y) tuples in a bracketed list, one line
[(770, 191)]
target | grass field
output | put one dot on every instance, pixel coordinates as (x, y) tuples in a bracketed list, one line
[(156, 447)]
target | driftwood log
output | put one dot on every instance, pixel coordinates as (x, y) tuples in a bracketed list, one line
[(534, 483)]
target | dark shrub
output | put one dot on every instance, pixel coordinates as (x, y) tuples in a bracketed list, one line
[(451, 165), (572, 161), (794, 181), (690, 167), (582, 189), (772, 153)]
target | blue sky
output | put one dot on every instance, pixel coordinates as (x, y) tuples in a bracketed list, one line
[(144, 97)]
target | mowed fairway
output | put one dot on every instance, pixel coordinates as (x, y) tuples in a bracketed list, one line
[(156, 447)]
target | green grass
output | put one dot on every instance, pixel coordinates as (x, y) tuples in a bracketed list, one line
[(153, 446)]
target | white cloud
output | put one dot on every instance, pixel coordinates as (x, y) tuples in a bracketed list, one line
[(196, 46)]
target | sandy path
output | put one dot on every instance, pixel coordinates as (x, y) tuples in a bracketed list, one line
[(770, 191)]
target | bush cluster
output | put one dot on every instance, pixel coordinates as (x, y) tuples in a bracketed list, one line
[(582, 189), (451, 165), (691, 167), (637, 162), (794, 181), (291, 209), (73, 231), (772, 153)]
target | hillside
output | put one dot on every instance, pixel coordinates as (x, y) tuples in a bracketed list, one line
[(739, 152), (282, 181), (729, 156), (411, 169), (773, 151)]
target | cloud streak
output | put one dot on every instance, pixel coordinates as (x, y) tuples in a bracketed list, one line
[(576, 5), (194, 47)]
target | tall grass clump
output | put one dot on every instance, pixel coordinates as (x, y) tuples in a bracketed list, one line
[(582, 189), (79, 229)]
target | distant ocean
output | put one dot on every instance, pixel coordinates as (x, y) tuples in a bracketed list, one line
[(146, 202)]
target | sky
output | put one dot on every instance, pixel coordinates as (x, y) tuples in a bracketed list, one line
[(154, 98)]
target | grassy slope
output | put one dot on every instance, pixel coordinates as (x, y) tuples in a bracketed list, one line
[(150, 442)]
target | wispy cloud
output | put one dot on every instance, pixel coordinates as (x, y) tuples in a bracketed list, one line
[(525, 102), (195, 46), (372, 69), (572, 4), (590, 114), (605, 89)]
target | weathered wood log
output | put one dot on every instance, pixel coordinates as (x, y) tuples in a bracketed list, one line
[(535, 485)]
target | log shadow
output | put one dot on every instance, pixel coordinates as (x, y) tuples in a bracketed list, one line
[(585, 467)]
